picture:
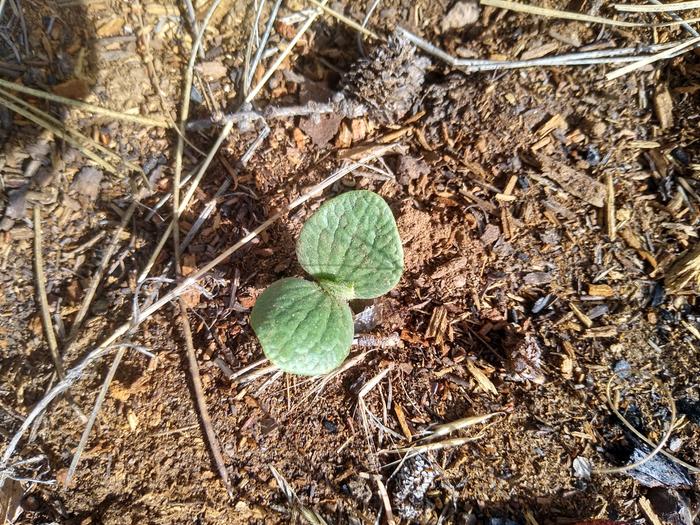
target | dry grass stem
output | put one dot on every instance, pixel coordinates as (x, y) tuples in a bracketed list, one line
[(448, 428), (85, 141), (570, 15), (669, 53), (345, 20), (261, 45), (284, 54), (60, 132), (311, 516), (42, 297), (658, 8), (657, 448), (99, 272), (84, 106), (438, 445), (93, 416)]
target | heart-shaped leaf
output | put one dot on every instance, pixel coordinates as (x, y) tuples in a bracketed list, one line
[(352, 240), (303, 329)]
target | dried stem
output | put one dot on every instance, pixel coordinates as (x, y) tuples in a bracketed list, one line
[(146, 121), (93, 416), (41, 296)]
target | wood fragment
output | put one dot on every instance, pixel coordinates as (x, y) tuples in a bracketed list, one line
[(663, 106), (437, 327), (398, 410), (685, 271), (481, 378), (581, 316), (610, 221), (600, 290)]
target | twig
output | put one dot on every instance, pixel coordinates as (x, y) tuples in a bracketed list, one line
[(202, 409), (278, 61), (365, 20), (97, 276), (261, 46), (93, 416), (601, 56), (669, 53), (41, 296), (138, 119), (610, 206), (212, 439)]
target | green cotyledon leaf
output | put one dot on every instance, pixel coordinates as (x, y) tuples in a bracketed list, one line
[(352, 240), (303, 329)]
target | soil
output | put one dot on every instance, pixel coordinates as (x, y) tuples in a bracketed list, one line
[(515, 300)]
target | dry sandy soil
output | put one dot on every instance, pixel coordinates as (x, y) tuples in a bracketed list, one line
[(543, 211)]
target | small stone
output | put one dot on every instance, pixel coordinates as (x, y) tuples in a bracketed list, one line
[(462, 14)]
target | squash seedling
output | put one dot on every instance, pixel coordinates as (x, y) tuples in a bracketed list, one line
[(351, 247)]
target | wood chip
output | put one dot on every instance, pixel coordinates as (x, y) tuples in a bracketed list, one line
[(401, 416), (481, 378), (213, 69), (581, 316), (645, 504), (600, 290), (663, 106), (540, 51), (437, 328), (556, 122)]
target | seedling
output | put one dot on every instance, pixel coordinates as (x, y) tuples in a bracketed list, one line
[(351, 247)]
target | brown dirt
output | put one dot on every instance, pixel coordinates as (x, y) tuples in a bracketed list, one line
[(486, 311)]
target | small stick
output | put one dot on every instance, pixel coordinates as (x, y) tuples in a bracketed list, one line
[(261, 46), (278, 61), (93, 416), (610, 206), (138, 119), (97, 276), (212, 439), (43, 299), (249, 48)]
